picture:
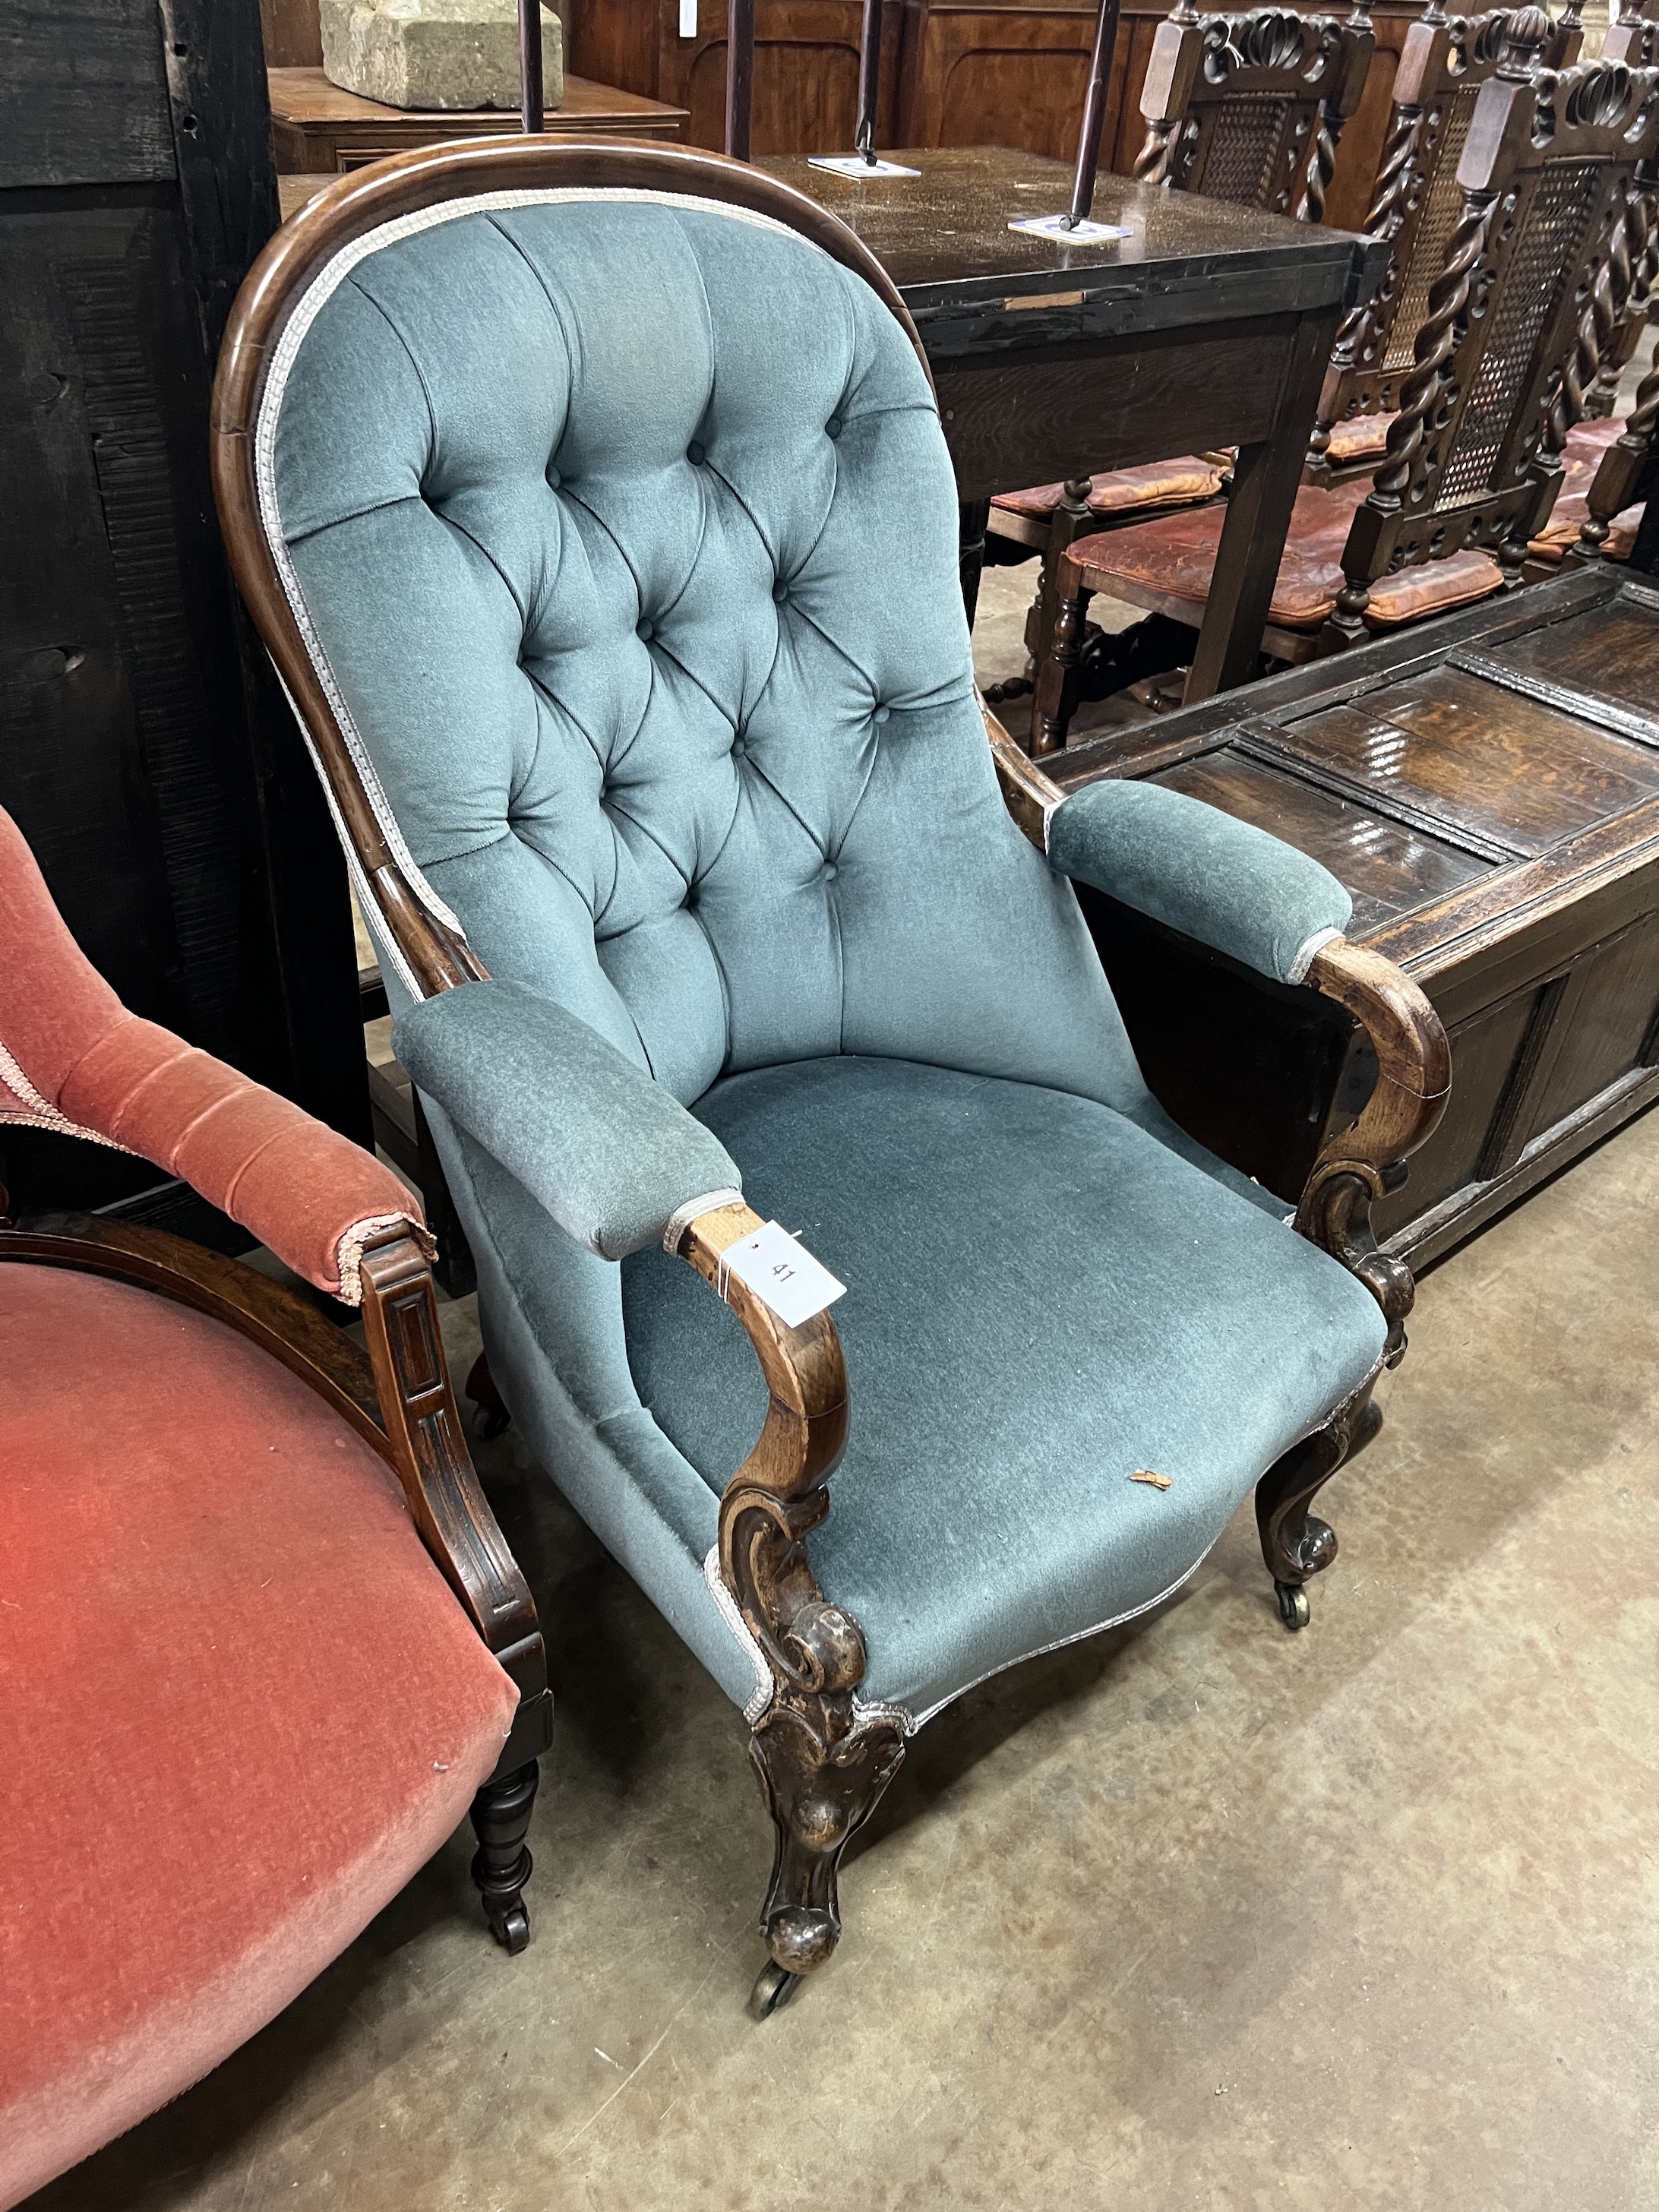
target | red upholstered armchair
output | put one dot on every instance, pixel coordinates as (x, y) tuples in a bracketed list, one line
[(262, 1644)]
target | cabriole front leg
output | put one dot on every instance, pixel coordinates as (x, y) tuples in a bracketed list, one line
[(1295, 1543), (823, 1766)]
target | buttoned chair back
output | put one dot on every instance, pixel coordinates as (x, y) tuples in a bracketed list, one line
[(638, 670), (595, 508), (1249, 107)]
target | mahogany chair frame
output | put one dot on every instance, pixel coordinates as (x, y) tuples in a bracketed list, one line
[(822, 1764), (1415, 204), (1556, 181), (396, 1396)]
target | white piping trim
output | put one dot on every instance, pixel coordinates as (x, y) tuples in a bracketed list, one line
[(39, 1112), (322, 289), (1304, 958), (761, 1697), (911, 1722), (682, 1216)]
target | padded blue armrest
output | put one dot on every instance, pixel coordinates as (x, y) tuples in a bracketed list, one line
[(1224, 882), (611, 1154)]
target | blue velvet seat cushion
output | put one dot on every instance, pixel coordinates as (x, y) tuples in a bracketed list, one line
[(1043, 1298)]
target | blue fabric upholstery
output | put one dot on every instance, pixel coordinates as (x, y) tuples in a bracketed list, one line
[(1204, 873), (1041, 1299), (626, 534), (609, 1153)]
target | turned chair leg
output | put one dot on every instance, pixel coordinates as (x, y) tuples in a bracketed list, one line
[(1295, 1543), (1059, 676), (501, 1866), (819, 1793)]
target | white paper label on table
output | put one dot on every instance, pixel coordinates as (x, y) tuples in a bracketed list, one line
[(1082, 233), (779, 1270), (855, 165), (687, 19)]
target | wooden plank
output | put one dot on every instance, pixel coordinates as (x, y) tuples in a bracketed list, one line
[(1386, 867), (1611, 654), (1509, 773), (82, 94)]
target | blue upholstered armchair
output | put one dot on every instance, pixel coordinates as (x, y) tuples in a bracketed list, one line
[(594, 505)]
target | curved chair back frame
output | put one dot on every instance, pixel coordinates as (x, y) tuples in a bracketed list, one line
[(294, 274)]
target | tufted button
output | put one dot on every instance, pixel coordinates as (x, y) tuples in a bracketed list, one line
[(780, 591), (739, 748), (696, 455), (883, 715), (829, 875), (832, 428), (645, 628), (553, 479)]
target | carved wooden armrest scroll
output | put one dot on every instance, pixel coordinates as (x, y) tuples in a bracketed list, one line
[(780, 1491), (1357, 1166)]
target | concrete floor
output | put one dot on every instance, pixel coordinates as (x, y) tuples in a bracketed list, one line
[(1202, 1916)]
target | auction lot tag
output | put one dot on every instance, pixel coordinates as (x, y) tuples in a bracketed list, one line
[(781, 1270), (1084, 233), (855, 165)]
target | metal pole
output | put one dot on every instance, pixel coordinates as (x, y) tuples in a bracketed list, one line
[(740, 76), (869, 79), (1094, 114), (531, 109)]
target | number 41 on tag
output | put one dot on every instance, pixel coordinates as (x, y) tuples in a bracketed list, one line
[(780, 1271)]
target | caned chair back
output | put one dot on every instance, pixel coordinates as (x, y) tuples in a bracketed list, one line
[(1554, 178), (1417, 201), (1248, 108)]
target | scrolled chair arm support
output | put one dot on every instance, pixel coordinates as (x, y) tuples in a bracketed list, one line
[(1414, 1081), (821, 1763)]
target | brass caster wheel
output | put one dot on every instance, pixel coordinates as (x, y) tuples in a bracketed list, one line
[(1292, 1604), (773, 1987)]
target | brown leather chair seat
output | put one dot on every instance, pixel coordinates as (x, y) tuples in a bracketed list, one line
[(1169, 564), (1361, 438), (1580, 458), (1184, 483)]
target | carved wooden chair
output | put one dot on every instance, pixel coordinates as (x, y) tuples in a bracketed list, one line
[(241, 1708), (594, 506), (1616, 514), (1634, 40), (1415, 204), (1248, 108), (1536, 275)]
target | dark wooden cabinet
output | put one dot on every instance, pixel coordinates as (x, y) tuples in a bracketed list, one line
[(146, 751), (954, 73), (1487, 788)]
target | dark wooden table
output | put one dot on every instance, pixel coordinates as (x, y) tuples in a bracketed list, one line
[(1209, 325)]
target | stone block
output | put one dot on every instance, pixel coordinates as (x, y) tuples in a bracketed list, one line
[(436, 53)]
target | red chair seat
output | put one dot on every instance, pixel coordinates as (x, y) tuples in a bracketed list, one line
[(1581, 457), (239, 1708), (1174, 558), (1120, 491)]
